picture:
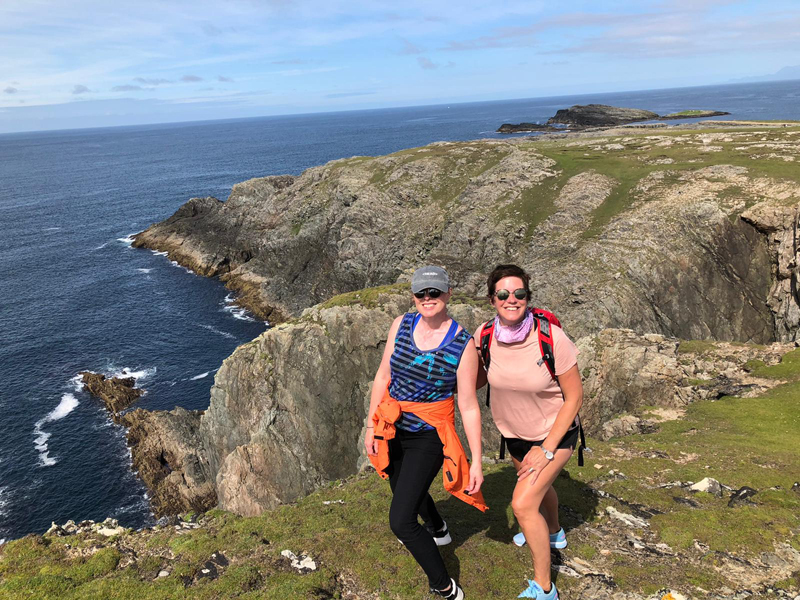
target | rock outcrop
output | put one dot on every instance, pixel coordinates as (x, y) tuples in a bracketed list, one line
[(166, 451), (632, 253), (600, 115), (780, 223), (288, 409), (117, 393), (527, 128), (663, 251)]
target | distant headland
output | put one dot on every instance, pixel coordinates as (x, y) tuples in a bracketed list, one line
[(600, 115)]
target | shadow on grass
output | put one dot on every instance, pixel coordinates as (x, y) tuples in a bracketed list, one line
[(577, 504)]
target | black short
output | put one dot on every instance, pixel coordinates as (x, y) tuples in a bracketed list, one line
[(519, 448)]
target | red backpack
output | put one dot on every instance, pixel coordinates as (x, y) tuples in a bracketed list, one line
[(542, 322)]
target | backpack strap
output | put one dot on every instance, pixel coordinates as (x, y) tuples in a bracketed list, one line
[(485, 343), (542, 321)]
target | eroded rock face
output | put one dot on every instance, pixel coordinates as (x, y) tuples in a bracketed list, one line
[(780, 223), (288, 409), (166, 453), (599, 115), (674, 258), (117, 393)]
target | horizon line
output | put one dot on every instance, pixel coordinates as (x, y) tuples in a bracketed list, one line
[(394, 107)]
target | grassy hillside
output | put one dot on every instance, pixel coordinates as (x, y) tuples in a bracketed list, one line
[(685, 540)]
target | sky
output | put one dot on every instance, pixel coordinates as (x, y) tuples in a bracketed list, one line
[(85, 63)]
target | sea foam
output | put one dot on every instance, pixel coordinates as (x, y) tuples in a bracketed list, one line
[(230, 336), (66, 406), (236, 311), (3, 501), (127, 240), (201, 376), (137, 375)]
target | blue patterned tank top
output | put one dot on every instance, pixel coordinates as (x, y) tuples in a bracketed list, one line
[(424, 376)]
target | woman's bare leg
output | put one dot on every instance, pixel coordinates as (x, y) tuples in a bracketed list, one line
[(549, 505), (527, 503)]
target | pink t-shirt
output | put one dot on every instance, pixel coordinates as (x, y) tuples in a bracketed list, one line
[(525, 399)]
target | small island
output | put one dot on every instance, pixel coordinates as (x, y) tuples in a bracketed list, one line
[(600, 115)]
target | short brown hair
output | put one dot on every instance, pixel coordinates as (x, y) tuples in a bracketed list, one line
[(501, 271)]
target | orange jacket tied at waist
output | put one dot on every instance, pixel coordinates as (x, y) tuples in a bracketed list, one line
[(441, 415)]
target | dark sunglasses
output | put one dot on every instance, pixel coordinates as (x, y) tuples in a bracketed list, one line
[(430, 293), (519, 294)]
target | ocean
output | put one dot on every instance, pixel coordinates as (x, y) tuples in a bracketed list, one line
[(76, 296)]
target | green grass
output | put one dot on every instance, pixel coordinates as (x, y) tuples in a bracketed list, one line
[(789, 367), (695, 347), (737, 441), (687, 113), (445, 190), (627, 168), (367, 297)]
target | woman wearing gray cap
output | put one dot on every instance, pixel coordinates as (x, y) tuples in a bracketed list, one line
[(410, 424)]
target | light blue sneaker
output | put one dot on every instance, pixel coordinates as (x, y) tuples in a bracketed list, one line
[(557, 539), (534, 590)]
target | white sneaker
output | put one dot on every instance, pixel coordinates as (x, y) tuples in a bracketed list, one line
[(441, 537), (455, 592), (557, 539)]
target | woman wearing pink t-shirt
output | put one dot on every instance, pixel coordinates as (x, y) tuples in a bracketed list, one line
[(535, 413)]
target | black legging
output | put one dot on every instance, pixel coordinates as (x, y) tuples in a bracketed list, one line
[(416, 458)]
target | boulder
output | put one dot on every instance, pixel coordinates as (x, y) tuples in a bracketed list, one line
[(708, 485), (117, 393)]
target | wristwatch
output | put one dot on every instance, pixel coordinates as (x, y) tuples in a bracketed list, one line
[(547, 454)]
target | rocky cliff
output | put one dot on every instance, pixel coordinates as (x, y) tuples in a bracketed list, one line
[(685, 233), (287, 409), (630, 229)]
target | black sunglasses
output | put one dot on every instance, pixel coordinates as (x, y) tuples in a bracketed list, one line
[(430, 293), (519, 294)]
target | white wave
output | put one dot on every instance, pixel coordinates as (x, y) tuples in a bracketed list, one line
[(77, 382), (3, 501), (3, 541), (144, 270), (101, 246), (175, 263), (127, 240), (52, 229), (66, 406), (230, 336), (201, 376), (137, 375), (157, 253), (236, 311)]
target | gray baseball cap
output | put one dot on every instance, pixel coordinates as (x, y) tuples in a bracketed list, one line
[(430, 277)]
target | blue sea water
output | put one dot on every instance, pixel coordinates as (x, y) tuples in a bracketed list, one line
[(75, 296)]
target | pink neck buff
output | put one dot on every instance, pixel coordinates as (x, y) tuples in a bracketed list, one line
[(514, 333)]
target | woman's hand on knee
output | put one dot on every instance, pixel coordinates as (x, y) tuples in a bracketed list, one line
[(532, 465)]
